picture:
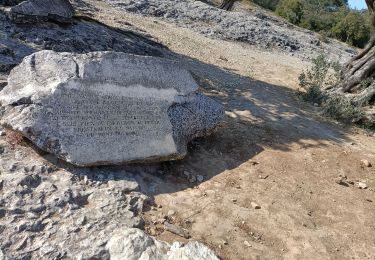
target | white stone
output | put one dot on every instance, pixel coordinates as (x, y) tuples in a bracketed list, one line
[(200, 178), (134, 244)]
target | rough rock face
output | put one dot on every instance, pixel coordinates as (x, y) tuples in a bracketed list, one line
[(134, 244), (42, 10), (82, 36), (253, 27), (106, 107), (51, 213), (10, 2)]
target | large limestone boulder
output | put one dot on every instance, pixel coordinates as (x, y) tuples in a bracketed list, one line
[(134, 244), (106, 107), (42, 10)]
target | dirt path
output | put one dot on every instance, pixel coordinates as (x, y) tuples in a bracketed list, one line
[(272, 150)]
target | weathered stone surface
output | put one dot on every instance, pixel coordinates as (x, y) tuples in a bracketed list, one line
[(18, 41), (50, 213), (10, 2), (134, 244), (244, 25), (106, 107), (42, 10)]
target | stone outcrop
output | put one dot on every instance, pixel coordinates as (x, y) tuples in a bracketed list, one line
[(134, 244), (42, 10), (106, 108)]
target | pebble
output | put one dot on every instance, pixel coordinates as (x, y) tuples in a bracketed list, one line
[(200, 178), (255, 205), (85, 179), (246, 243), (176, 230), (361, 185), (366, 163), (234, 200), (192, 179), (171, 213), (2, 133)]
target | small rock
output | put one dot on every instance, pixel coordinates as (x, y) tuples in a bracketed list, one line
[(171, 213), (342, 180), (200, 178), (176, 230), (192, 179), (234, 200), (255, 205), (2, 133), (366, 163), (361, 185), (85, 180), (246, 243)]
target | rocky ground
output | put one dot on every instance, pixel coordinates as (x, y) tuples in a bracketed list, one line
[(276, 181), (243, 24)]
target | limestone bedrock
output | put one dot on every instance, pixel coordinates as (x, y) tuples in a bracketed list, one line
[(106, 108)]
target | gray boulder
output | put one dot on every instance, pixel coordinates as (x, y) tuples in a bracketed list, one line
[(42, 10), (106, 108)]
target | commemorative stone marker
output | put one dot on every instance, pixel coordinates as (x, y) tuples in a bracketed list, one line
[(106, 107)]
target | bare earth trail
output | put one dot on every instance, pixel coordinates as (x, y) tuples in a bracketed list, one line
[(272, 150)]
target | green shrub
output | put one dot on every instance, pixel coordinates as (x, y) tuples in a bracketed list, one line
[(325, 75), (268, 4), (352, 27), (322, 75), (291, 10), (341, 108)]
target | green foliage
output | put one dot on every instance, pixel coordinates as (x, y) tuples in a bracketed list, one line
[(332, 18), (352, 27), (322, 75), (341, 108), (292, 10), (269, 4)]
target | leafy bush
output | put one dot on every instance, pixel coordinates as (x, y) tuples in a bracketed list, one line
[(352, 27), (322, 75), (292, 10), (341, 108), (269, 4), (325, 75), (331, 18)]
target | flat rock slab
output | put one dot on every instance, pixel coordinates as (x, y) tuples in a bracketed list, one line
[(106, 108), (42, 10)]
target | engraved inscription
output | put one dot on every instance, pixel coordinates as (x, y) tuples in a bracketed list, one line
[(106, 115)]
